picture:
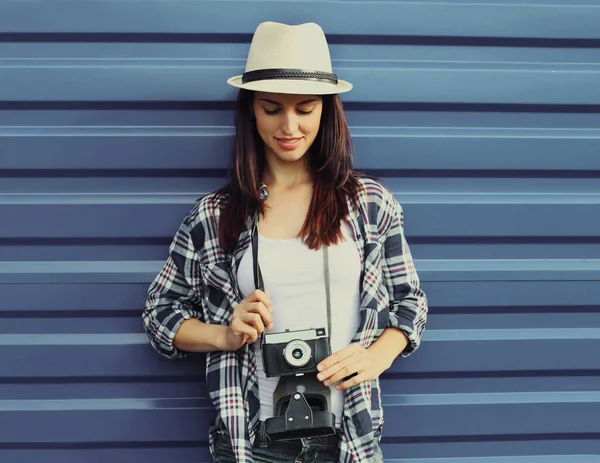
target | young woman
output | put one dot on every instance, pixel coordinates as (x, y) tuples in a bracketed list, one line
[(293, 190)]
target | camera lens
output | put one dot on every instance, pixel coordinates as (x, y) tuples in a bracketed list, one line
[(297, 353)]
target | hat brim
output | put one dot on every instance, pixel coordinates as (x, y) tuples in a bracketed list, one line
[(291, 86)]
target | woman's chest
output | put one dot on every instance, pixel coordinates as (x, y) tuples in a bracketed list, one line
[(285, 214)]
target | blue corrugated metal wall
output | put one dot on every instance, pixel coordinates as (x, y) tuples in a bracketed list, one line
[(483, 117)]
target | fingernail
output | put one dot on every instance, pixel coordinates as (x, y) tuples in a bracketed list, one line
[(338, 387), (326, 383), (320, 367), (320, 377)]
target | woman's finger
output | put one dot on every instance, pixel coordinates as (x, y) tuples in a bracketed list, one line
[(241, 329), (341, 359), (262, 311), (334, 359), (353, 381), (345, 373), (260, 296), (253, 319), (340, 370)]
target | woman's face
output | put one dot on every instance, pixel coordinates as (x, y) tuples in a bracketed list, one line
[(287, 124)]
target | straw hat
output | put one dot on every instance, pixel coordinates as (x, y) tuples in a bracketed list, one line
[(289, 59)]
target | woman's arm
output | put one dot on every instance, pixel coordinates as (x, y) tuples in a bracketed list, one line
[(172, 302), (173, 318), (408, 303), (196, 336), (407, 310)]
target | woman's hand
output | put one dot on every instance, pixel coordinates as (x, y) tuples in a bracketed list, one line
[(354, 364), (350, 366), (249, 320)]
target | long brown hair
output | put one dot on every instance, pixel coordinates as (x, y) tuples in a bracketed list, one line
[(330, 160)]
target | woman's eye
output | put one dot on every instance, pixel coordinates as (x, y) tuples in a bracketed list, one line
[(276, 111)]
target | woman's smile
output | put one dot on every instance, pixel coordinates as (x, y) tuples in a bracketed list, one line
[(288, 144)]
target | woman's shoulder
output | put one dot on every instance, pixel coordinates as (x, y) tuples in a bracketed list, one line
[(377, 204), (374, 192), (206, 211)]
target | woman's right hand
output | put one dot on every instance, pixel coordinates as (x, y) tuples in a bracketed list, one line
[(250, 318)]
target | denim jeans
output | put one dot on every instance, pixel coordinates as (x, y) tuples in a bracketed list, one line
[(310, 450)]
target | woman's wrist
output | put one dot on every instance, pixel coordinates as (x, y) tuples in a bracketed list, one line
[(388, 347), (220, 338)]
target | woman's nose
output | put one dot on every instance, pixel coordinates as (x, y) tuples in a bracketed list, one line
[(289, 122)]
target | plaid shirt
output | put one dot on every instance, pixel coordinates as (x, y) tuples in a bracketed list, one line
[(199, 281)]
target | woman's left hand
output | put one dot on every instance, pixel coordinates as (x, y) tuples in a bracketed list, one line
[(353, 364)]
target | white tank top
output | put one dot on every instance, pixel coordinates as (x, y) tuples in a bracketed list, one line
[(294, 276)]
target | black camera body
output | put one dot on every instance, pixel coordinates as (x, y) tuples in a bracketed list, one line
[(298, 352)]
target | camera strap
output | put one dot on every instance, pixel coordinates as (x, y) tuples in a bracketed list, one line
[(259, 282)]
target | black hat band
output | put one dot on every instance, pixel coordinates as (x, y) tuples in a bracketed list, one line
[(295, 74)]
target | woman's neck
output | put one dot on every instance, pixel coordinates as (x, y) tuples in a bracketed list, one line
[(286, 175)]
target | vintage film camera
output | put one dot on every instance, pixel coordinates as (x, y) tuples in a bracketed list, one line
[(301, 402), (294, 352)]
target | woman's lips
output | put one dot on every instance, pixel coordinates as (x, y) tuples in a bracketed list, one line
[(288, 144)]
